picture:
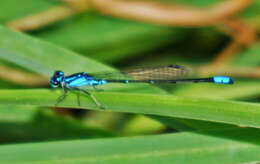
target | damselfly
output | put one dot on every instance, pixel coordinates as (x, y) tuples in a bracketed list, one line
[(171, 74)]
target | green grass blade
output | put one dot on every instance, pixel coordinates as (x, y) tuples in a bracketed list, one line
[(231, 112), (173, 148), (43, 57), (182, 124)]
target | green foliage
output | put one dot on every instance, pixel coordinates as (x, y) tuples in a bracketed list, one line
[(27, 124), (208, 123), (176, 148)]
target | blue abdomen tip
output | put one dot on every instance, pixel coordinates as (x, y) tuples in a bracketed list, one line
[(222, 80)]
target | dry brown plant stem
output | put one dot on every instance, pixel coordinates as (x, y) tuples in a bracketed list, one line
[(21, 77), (144, 11), (243, 35), (39, 20), (169, 14)]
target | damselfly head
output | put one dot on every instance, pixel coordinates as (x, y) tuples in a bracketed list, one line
[(57, 79)]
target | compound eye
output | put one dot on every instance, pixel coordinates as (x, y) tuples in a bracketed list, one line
[(58, 73), (57, 78)]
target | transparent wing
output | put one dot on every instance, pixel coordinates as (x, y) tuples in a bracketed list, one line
[(156, 73)]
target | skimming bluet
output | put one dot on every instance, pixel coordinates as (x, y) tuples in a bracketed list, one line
[(171, 74)]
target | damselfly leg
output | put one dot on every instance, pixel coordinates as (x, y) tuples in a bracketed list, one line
[(97, 89), (90, 95), (62, 97), (65, 94), (78, 98)]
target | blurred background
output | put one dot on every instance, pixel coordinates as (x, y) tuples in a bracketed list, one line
[(217, 37)]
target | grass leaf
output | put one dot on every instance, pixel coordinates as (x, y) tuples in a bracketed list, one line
[(43, 57), (174, 148), (231, 112)]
